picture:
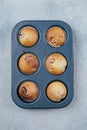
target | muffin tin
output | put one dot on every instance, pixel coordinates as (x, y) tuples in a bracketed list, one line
[(41, 77)]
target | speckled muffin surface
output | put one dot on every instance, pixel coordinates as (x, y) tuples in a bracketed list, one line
[(28, 63), (56, 63), (56, 91), (56, 36), (28, 91), (28, 36)]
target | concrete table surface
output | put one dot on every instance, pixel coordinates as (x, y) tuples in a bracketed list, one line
[(72, 117)]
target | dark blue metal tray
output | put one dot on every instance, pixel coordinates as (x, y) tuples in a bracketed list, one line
[(42, 77)]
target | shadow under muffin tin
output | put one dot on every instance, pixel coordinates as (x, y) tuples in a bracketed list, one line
[(30, 88)]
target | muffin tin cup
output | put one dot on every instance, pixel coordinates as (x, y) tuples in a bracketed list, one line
[(42, 77)]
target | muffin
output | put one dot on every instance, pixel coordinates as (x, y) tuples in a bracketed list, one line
[(56, 91), (28, 36), (56, 63), (28, 91), (56, 36), (28, 63)]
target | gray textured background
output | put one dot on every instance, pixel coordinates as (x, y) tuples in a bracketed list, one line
[(72, 117)]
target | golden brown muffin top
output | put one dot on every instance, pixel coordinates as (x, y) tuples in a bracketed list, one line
[(28, 36), (28, 91), (56, 91), (56, 63), (28, 63), (56, 36)]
